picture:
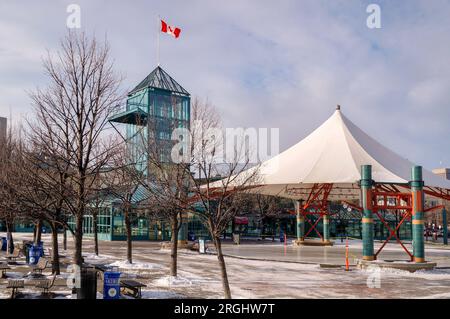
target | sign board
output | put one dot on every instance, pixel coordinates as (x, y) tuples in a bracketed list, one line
[(241, 220)]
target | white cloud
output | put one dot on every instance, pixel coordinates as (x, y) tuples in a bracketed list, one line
[(270, 63)]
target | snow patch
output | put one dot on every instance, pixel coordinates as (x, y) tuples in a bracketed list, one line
[(160, 294), (423, 274), (99, 257), (135, 265), (171, 281)]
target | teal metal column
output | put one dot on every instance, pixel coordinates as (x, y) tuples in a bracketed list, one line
[(445, 225), (326, 228), (183, 232), (300, 221), (367, 219), (111, 223), (417, 214)]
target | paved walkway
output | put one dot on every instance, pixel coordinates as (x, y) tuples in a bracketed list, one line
[(199, 275), (334, 255)]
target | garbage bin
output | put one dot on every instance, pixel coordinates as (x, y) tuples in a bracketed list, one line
[(88, 284), (3, 243), (237, 238), (111, 285), (41, 246), (191, 236), (281, 237), (35, 252)]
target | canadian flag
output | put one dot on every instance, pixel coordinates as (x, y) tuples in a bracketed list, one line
[(170, 30)]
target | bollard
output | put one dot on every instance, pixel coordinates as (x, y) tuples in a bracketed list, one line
[(347, 266)]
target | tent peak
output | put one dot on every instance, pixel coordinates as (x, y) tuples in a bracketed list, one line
[(338, 107)]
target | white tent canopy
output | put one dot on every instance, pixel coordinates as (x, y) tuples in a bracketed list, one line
[(334, 153)]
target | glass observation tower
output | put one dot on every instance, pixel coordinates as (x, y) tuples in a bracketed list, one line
[(154, 108)]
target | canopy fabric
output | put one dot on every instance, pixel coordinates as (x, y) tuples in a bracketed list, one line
[(334, 153)]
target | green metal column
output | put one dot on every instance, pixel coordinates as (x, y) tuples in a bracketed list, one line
[(417, 214), (183, 232), (445, 225), (326, 228), (300, 221), (367, 219)]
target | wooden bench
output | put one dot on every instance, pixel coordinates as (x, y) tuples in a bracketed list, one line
[(40, 266), (14, 255), (132, 287), (3, 269), (45, 284), (15, 285)]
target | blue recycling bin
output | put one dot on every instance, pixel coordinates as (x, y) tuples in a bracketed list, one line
[(4, 243), (41, 245), (111, 285), (281, 237), (191, 236), (35, 253)]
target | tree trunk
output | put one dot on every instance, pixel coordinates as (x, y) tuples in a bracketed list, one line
[(78, 238), (223, 269), (55, 250), (174, 248), (38, 237), (34, 233), (65, 238), (129, 239), (94, 222), (9, 238)]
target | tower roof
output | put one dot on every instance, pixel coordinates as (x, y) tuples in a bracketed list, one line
[(159, 79)]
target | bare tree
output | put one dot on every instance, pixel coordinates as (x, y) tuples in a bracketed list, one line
[(167, 188), (122, 182), (96, 203), (43, 189), (71, 114), (10, 206), (166, 183), (217, 202)]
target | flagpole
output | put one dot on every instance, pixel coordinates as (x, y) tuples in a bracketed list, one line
[(157, 38)]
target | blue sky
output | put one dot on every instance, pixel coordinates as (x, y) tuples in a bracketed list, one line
[(264, 63)]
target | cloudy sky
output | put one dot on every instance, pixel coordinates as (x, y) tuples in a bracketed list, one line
[(265, 63)]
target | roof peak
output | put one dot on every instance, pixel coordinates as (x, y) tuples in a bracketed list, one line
[(160, 79)]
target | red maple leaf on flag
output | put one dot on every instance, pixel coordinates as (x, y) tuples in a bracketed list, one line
[(174, 31)]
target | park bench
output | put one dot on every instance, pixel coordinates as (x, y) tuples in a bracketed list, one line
[(3, 269), (40, 266), (15, 285), (15, 254), (45, 284), (131, 287)]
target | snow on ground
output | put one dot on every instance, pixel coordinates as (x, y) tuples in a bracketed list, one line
[(436, 274), (171, 281), (199, 275), (160, 294), (125, 265), (100, 257)]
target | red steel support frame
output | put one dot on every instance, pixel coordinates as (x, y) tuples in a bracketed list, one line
[(392, 200), (316, 204), (401, 203)]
